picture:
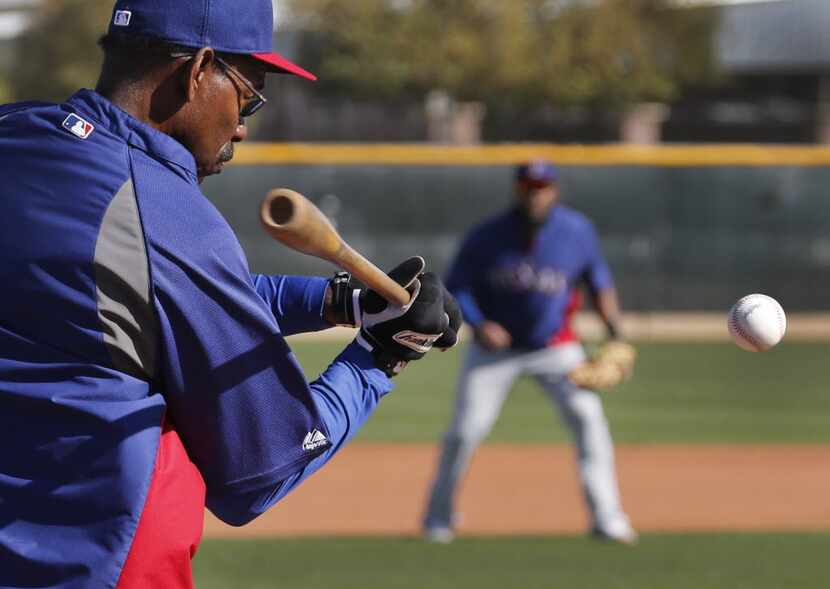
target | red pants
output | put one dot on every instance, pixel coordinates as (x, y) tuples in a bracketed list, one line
[(171, 524)]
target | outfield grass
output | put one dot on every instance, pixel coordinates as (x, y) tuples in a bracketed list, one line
[(704, 561), (682, 392)]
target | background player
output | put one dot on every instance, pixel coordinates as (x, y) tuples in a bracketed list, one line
[(144, 370), (516, 278)]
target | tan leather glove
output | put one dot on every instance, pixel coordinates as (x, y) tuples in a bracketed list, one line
[(612, 365)]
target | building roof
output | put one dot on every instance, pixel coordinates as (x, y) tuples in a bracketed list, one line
[(791, 35), (15, 16)]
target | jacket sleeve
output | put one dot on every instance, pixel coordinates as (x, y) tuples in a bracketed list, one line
[(343, 413), (295, 301), (234, 390)]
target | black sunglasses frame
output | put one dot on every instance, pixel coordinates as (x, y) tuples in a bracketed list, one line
[(252, 105)]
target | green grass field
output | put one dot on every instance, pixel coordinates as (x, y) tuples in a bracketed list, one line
[(680, 393), (691, 393), (695, 561)]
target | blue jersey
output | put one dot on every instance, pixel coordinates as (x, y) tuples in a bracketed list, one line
[(129, 313), (525, 286)]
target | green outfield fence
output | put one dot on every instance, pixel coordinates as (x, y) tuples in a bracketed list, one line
[(684, 227)]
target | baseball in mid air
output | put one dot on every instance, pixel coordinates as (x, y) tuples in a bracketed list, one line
[(757, 322)]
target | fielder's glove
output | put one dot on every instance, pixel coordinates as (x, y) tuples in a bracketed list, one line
[(612, 365), (398, 335)]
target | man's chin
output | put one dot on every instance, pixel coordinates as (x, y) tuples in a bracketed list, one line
[(211, 171)]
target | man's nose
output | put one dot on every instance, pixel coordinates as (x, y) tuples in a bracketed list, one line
[(241, 132)]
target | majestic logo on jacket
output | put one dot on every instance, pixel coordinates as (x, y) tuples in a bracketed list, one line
[(78, 127), (523, 277), (314, 439)]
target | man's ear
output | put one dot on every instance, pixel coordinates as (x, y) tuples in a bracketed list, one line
[(197, 70)]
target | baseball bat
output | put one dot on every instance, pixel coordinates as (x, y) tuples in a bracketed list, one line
[(292, 219)]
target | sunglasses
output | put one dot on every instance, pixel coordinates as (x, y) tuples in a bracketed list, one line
[(251, 105)]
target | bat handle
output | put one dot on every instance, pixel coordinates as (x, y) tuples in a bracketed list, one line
[(372, 276)]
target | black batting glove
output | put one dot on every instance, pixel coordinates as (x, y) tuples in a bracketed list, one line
[(397, 335), (453, 311)]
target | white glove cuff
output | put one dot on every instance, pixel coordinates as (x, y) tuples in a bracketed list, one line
[(357, 311), (361, 341)]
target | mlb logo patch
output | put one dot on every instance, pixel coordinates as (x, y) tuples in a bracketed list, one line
[(122, 18), (78, 127)]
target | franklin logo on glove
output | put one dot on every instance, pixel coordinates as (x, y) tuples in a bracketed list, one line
[(420, 342)]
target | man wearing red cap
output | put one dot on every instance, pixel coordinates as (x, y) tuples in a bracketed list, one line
[(144, 371)]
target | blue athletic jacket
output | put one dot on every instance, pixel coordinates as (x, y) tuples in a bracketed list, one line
[(127, 312), (527, 287)]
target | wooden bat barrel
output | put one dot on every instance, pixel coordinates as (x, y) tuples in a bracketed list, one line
[(292, 219)]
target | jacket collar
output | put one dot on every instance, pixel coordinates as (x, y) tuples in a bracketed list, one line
[(88, 103)]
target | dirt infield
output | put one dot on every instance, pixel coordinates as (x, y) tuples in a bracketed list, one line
[(378, 489)]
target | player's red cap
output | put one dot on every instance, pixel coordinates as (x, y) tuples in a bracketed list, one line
[(281, 64)]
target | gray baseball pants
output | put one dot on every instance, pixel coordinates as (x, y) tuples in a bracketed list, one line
[(484, 383)]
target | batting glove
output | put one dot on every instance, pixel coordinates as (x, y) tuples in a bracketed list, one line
[(397, 335)]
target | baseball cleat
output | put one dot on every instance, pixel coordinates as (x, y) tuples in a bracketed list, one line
[(627, 536), (439, 535)]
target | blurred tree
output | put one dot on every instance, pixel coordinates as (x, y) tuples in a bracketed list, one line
[(5, 94), (570, 52), (58, 53)]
